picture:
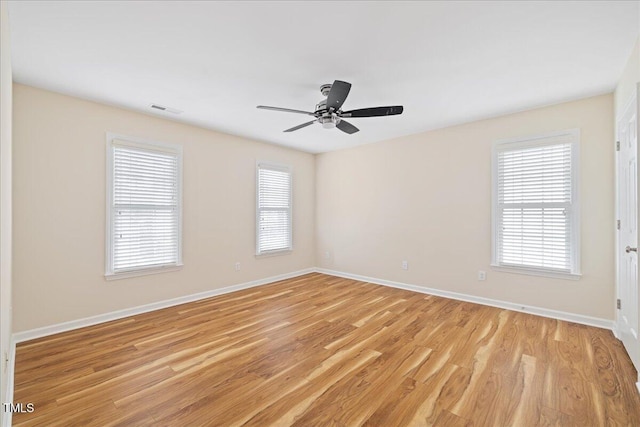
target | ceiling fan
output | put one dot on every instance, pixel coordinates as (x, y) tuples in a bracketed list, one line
[(328, 111)]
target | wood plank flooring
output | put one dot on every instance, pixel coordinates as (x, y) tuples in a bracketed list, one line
[(319, 350)]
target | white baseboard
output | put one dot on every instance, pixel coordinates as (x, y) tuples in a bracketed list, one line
[(8, 415), (19, 337), (544, 312), (614, 329), (31, 334)]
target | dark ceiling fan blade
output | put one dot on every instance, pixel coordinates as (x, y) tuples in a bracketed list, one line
[(347, 127), (374, 112), (338, 94), (304, 125), (286, 110)]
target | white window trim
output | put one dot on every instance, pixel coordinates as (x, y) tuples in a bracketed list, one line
[(534, 141), (144, 144), (289, 169)]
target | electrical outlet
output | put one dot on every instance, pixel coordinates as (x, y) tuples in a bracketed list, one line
[(237, 266), (482, 275), (405, 265), (327, 254)]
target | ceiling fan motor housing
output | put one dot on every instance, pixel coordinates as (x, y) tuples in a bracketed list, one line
[(321, 106), (327, 119)]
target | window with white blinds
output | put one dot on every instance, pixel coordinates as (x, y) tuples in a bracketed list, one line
[(144, 206), (273, 216), (535, 204)]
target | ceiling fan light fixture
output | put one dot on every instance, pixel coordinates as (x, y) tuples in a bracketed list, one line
[(328, 125), (328, 122)]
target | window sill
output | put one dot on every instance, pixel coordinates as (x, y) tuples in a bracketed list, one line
[(274, 253), (535, 272), (144, 272)]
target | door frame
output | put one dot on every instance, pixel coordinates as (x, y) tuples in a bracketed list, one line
[(634, 98)]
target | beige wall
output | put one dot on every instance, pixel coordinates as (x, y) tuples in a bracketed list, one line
[(426, 198), (5, 196), (59, 209)]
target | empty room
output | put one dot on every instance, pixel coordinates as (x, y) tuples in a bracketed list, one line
[(451, 240)]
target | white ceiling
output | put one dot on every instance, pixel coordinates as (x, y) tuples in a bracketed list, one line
[(446, 62)]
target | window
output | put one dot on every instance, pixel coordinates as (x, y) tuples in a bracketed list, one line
[(144, 207), (535, 205), (273, 216)]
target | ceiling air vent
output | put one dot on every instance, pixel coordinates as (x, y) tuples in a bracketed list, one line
[(167, 109)]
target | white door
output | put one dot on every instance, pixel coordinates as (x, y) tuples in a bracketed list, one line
[(627, 188)]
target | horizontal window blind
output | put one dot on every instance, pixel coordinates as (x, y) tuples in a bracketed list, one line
[(145, 208), (534, 223), (274, 226)]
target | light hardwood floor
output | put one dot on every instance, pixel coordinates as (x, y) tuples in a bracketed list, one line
[(322, 350)]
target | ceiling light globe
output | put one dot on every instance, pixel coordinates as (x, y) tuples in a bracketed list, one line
[(328, 125)]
